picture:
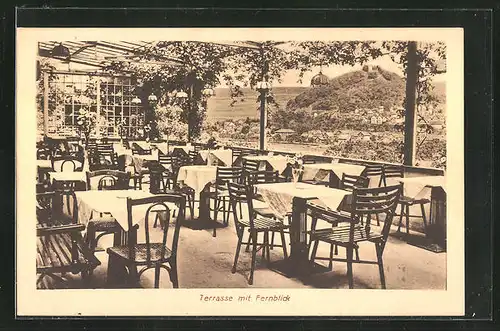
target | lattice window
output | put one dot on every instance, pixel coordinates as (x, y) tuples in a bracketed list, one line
[(109, 97)]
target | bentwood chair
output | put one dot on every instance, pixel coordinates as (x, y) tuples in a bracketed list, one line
[(104, 224), (382, 200), (397, 171), (221, 194), (60, 248), (148, 254), (255, 224), (67, 163)]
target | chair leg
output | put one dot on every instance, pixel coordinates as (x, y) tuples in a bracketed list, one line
[(349, 252), (424, 218), (174, 278), (216, 208), (315, 249), (356, 250), (378, 219), (272, 240), (400, 218), (380, 265), (247, 249), (283, 243), (238, 247), (407, 219), (241, 209), (314, 220), (330, 262), (254, 256), (157, 276)]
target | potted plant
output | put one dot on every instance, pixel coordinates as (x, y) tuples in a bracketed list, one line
[(86, 122), (296, 164)]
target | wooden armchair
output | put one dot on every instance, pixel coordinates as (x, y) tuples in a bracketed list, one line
[(60, 247), (365, 201)]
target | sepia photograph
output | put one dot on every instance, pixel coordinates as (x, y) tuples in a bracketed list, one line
[(251, 167)]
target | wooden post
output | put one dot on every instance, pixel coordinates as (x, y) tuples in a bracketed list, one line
[(263, 120), (410, 113), (46, 103)]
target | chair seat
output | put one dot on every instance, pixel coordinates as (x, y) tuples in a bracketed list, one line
[(138, 254), (340, 235), (104, 224), (411, 201), (265, 224)]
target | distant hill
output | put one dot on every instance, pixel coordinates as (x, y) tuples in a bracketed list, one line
[(363, 89), (369, 88)]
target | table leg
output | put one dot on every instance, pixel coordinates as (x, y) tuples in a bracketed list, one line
[(298, 264)]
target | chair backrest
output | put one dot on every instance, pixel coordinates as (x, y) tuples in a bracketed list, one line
[(260, 177), (376, 201), (138, 150), (308, 159), (392, 171), (64, 203), (199, 147), (108, 180), (373, 170), (349, 182), (105, 147), (192, 156), (163, 205), (168, 160), (176, 143), (67, 162), (43, 153), (241, 193), (251, 165), (227, 175)]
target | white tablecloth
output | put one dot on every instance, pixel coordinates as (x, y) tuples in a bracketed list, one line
[(279, 196), (68, 175), (416, 187), (277, 162), (137, 161), (211, 157), (197, 177), (321, 171), (114, 202)]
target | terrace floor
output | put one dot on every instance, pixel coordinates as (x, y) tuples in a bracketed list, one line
[(205, 262)]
